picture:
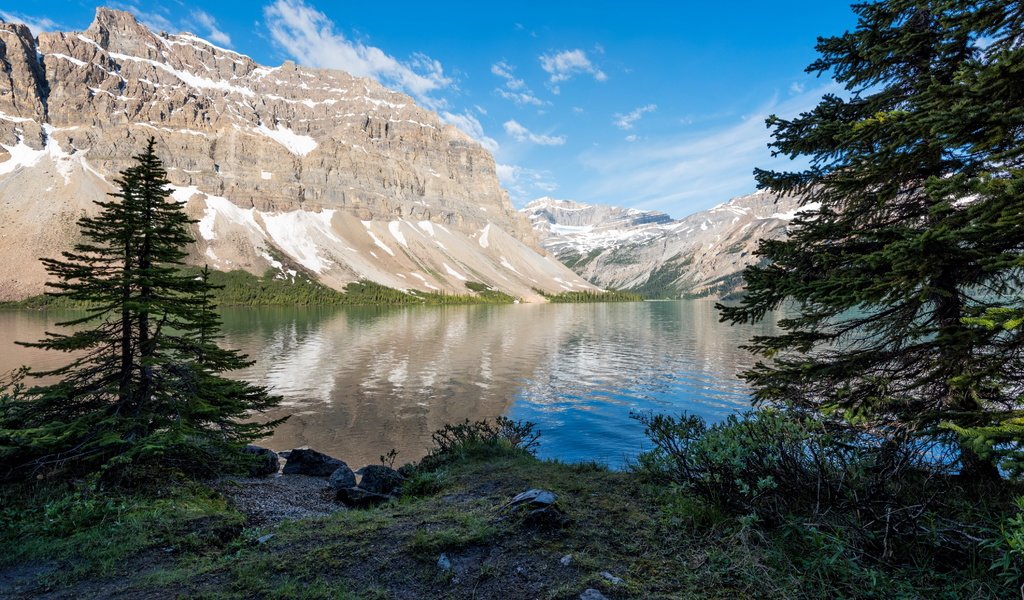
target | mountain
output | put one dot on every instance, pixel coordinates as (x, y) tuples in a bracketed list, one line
[(285, 168), (650, 253)]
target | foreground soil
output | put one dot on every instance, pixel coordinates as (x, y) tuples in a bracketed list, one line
[(448, 538)]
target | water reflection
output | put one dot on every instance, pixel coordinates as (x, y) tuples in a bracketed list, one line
[(360, 381)]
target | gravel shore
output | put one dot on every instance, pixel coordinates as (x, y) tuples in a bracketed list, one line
[(270, 500)]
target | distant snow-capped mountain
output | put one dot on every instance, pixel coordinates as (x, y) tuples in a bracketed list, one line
[(648, 251)]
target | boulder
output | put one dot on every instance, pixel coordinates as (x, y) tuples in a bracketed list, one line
[(304, 461), (592, 594), (341, 478), (265, 461), (355, 497), (380, 479)]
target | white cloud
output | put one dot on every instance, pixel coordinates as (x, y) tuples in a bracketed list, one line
[(520, 97), (515, 89), (469, 125), (695, 169), (308, 36), (625, 122), (36, 24), (563, 66), (796, 88), (631, 138), (213, 32), (524, 184), (504, 70), (522, 134)]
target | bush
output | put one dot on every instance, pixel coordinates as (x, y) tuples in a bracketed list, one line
[(481, 439), (1009, 547), (884, 498)]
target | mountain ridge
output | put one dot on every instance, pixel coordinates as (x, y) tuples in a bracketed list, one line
[(284, 168), (650, 253)]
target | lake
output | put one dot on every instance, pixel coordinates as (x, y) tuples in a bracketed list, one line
[(361, 381)]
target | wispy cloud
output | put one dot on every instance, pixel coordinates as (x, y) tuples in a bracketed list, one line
[(524, 184), (520, 97), (694, 170), (515, 88), (522, 134), (625, 122), (308, 36), (504, 70), (36, 24), (471, 126), (213, 32), (564, 65)]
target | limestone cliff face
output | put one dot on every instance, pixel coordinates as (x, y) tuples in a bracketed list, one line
[(285, 167), (702, 254)]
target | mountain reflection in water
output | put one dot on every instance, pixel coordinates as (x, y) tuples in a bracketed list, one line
[(361, 381)]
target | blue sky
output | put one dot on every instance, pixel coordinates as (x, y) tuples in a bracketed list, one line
[(653, 105)]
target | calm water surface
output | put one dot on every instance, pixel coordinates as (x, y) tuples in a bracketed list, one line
[(360, 381)]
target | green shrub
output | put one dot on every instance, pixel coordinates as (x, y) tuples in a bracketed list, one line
[(890, 500), (481, 439), (1009, 547)]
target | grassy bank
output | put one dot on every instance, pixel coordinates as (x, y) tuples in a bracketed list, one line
[(663, 540)]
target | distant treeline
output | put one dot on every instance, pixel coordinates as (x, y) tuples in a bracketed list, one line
[(240, 288), (588, 296)]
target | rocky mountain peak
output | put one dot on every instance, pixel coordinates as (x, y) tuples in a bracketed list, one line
[(286, 167), (649, 252)]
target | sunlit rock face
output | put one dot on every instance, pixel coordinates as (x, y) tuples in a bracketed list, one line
[(701, 255), (284, 168)]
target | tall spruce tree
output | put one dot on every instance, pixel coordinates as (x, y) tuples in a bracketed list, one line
[(913, 225), (144, 386)]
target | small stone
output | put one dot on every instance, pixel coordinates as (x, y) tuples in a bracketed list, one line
[(566, 560), (444, 563), (592, 594), (533, 498), (263, 539), (343, 477), (611, 578), (304, 461), (380, 479)]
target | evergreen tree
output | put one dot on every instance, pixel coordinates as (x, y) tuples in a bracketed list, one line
[(913, 224), (144, 386)]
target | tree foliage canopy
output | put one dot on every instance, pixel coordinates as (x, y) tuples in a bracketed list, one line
[(913, 225), (144, 383)]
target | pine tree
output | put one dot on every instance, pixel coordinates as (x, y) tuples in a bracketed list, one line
[(144, 386), (913, 224)]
